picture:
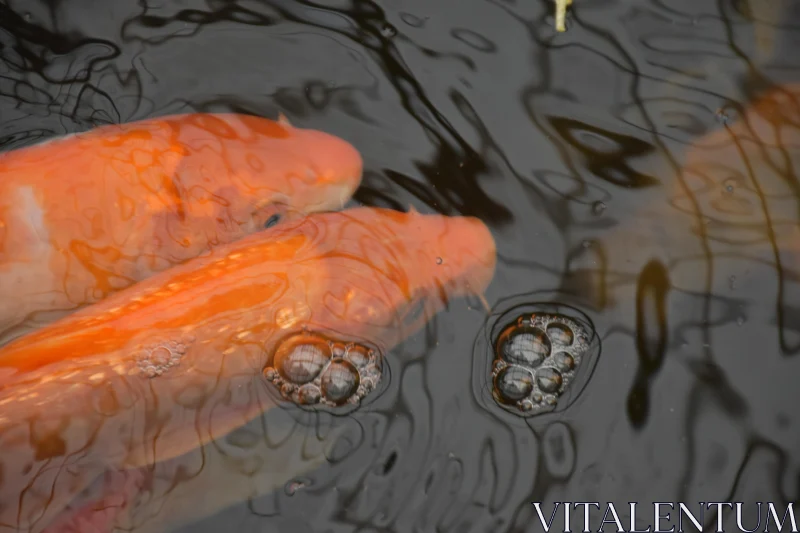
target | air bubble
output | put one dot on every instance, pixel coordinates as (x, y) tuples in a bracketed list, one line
[(371, 371), (308, 394), (560, 334), (513, 384), (160, 356), (339, 381), (564, 361), (358, 355), (339, 350), (729, 185), (499, 365), (524, 346), (302, 359), (549, 379)]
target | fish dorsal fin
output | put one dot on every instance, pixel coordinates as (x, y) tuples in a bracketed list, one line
[(284, 121)]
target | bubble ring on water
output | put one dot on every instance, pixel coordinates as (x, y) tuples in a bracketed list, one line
[(566, 369), (314, 372)]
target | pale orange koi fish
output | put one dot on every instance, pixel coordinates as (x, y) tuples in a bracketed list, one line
[(739, 182), (743, 176), (176, 360), (89, 214)]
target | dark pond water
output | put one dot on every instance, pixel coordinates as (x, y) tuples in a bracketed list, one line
[(568, 146)]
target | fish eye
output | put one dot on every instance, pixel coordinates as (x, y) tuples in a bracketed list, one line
[(271, 221)]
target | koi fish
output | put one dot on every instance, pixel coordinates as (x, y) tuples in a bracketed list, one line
[(179, 359), (92, 213), (743, 176), (738, 195)]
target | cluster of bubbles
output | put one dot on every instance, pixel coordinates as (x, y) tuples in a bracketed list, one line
[(309, 369), (535, 358), (157, 358)]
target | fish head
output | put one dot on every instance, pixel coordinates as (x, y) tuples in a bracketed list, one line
[(239, 174), (322, 170), (265, 162), (378, 275)]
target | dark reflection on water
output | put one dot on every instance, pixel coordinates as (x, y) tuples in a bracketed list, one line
[(651, 337), (569, 146)]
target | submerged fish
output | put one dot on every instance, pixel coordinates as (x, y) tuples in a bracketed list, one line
[(737, 195), (84, 216), (743, 177), (177, 360)]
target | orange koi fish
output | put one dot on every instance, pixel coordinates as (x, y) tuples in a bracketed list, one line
[(84, 216), (186, 356)]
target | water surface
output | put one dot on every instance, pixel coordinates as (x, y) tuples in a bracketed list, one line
[(568, 145)]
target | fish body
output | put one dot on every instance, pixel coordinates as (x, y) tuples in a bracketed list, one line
[(177, 360), (89, 214)]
